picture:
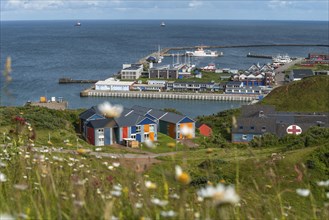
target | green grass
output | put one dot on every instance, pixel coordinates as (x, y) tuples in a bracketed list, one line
[(308, 95), (53, 185), (314, 68), (161, 146)]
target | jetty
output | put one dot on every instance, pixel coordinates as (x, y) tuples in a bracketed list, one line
[(169, 95), (70, 80), (165, 51), (259, 56)]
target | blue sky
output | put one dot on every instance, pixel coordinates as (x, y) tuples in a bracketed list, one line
[(164, 9)]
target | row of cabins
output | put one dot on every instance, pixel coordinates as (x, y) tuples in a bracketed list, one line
[(256, 75), (135, 124), (231, 87), (256, 120)]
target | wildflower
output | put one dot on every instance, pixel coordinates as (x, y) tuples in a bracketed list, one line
[(149, 143), (3, 177), (186, 131), (116, 164), (171, 144), (174, 196), (303, 192), (138, 205), (2, 164), (320, 183), (83, 151), (209, 150), (6, 217), (159, 202), (110, 167), (169, 214), (219, 194), (109, 110), (98, 149), (20, 186), (327, 194), (150, 185), (181, 176), (116, 193), (78, 203)]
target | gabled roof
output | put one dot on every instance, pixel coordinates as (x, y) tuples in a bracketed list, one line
[(102, 123), (254, 110), (301, 73), (156, 113), (140, 109), (130, 120), (173, 117), (89, 112), (255, 125)]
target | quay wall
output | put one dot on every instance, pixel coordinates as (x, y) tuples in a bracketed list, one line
[(170, 95)]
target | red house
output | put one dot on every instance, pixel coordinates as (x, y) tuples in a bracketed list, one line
[(204, 129)]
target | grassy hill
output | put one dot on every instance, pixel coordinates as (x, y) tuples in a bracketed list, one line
[(308, 95)]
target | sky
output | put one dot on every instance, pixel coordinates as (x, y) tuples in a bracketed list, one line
[(164, 9)]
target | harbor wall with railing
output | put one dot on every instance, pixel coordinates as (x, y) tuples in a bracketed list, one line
[(170, 95)]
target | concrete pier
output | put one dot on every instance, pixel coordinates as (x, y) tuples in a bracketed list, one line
[(170, 95)]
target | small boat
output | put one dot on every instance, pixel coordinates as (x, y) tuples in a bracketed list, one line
[(162, 24), (78, 24)]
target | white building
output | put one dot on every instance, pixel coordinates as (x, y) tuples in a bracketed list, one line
[(111, 84), (131, 71)]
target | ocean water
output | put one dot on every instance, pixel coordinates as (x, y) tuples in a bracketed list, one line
[(44, 51)]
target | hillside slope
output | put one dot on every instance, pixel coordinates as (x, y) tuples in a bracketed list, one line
[(308, 95)]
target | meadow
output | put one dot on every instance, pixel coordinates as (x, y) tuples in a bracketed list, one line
[(48, 172)]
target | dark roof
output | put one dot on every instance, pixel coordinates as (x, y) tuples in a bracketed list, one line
[(172, 117), (255, 110), (255, 126), (129, 120), (301, 73), (133, 67), (140, 109), (157, 113), (102, 123), (90, 112)]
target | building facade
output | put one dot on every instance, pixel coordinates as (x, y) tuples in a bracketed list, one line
[(131, 71)]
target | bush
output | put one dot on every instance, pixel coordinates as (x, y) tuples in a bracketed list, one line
[(266, 140), (319, 160)]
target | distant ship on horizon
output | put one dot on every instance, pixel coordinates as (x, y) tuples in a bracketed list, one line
[(162, 24), (78, 24)]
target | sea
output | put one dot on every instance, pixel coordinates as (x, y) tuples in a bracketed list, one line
[(44, 51)]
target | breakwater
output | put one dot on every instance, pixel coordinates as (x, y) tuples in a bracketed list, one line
[(170, 95), (69, 80)]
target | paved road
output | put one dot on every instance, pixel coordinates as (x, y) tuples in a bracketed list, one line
[(279, 72)]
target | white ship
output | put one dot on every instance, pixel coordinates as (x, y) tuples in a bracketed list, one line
[(162, 24), (200, 52), (281, 60), (78, 24)]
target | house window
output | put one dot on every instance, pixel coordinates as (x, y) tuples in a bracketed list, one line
[(244, 137), (133, 136), (241, 127), (138, 128), (101, 139), (101, 130), (146, 136), (252, 128), (152, 129), (263, 129)]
